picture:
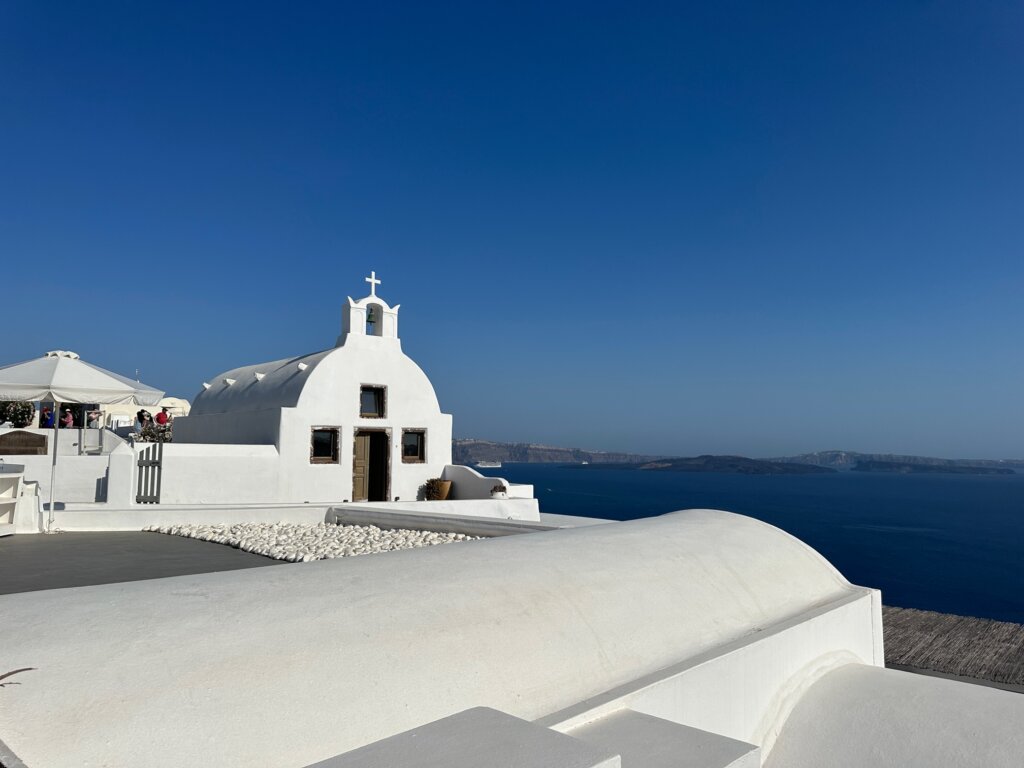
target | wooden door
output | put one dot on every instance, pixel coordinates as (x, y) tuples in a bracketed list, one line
[(361, 467)]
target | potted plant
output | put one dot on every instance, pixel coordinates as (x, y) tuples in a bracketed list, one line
[(500, 491), (436, 489)]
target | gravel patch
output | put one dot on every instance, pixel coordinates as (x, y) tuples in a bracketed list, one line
[(303, 543)]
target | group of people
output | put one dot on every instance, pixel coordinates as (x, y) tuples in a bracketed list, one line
[(145, 419), (67, 419)]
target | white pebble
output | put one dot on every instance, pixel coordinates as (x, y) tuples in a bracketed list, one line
[(305, 543)]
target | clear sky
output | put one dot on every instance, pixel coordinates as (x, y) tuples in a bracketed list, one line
[(757, 228)]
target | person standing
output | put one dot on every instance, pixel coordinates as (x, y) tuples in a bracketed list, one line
[(46, 418), (67, 420), (163, 418)]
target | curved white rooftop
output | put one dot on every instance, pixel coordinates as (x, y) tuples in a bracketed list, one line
[(276, 384), (282, 383), (862, 716), (309, 661), (368, 342)]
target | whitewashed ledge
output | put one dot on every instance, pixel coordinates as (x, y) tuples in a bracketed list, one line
[(305, 543)]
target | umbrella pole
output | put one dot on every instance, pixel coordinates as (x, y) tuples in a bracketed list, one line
[(53, 471)]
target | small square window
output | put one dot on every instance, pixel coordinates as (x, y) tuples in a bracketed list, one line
[(323, 447), (371, 402), (414, 446)]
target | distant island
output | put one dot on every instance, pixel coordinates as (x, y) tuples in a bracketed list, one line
[(905, 468), (857, 461), (736, 465), (472, 450)]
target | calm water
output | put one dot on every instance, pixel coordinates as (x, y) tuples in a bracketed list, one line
[(950, 543)]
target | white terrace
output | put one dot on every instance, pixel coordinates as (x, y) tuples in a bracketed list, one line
[(698, 639)]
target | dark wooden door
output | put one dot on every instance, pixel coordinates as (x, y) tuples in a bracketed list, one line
[(377, 475), (361, 467)]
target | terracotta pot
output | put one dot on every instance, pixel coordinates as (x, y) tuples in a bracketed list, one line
[(446, 489)]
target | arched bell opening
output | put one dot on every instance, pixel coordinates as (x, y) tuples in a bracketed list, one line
[(374, 320)]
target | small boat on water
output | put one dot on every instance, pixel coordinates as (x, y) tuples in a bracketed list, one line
[(488, 465)]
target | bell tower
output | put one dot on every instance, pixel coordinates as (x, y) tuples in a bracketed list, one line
[(370, 317)]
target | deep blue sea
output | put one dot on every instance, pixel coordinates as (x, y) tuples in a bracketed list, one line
[(949, 543)]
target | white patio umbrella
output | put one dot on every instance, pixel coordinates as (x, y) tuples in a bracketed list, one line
[(64, 377)]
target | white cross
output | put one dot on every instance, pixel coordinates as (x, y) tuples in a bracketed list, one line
[(374, 282)]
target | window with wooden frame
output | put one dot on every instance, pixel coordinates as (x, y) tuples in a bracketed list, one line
[(371, 402), (323, 445), (414, 446)]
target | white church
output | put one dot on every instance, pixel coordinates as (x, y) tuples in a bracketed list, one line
[(358, 422), (698, 639)]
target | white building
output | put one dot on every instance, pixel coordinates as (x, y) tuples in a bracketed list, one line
[(357, 423)]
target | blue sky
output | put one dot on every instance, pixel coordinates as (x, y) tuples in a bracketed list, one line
[(721, 227)]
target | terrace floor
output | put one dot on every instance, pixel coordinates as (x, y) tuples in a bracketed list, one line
[(30, 563)]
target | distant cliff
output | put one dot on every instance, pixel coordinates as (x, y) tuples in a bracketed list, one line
[(734, 465), (470, 451), (905, 468), (850, 460)]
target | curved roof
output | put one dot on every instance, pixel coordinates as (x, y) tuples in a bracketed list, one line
[(859, 715), (526, 624), (276, 384)]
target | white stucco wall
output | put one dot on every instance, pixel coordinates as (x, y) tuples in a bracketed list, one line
[(11, 479), (70, 442), (757, 680), (250, 427), (79, 478), (500, 509), (104, 517), (331, 398), (212, 474), (281, 408), (532, 625), (467, 483)]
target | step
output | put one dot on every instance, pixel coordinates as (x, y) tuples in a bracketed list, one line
[(644, 741), (476, 738)]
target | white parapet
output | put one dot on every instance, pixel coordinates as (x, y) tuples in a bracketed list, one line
[(290, 665)]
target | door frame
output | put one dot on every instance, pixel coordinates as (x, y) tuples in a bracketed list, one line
[(386, 431)]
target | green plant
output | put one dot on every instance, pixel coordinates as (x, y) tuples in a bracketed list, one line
[(433, 490), (499, 488), (5, 406), (20, 413)]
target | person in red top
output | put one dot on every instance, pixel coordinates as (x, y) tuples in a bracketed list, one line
[(163, 417)]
